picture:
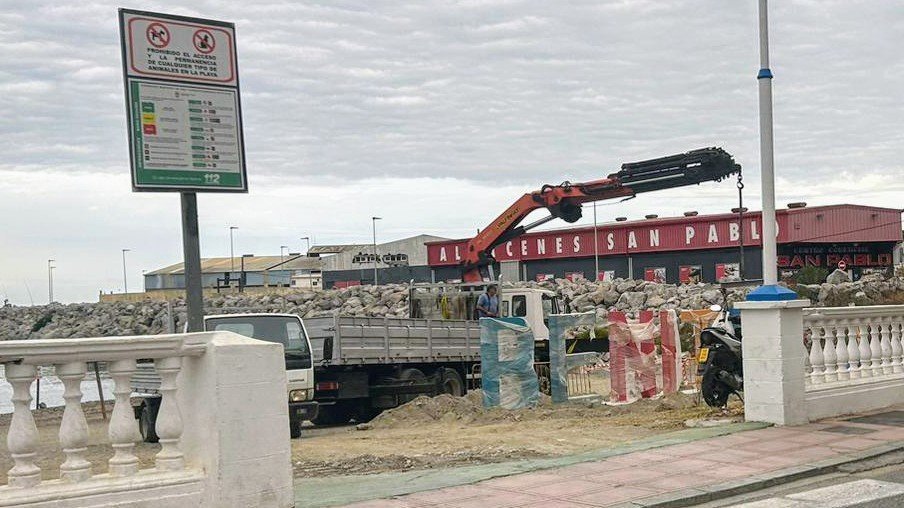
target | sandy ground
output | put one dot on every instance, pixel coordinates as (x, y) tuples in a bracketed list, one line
[(424, 434), (50, 454)]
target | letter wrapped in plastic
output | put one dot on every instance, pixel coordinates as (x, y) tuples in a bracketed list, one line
[(507, 363), (559, 326)]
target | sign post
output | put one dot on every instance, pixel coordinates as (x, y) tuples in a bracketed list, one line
[(184, 119)]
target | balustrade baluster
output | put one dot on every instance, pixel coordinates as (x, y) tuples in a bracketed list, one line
[(841, 354), (828, 354), (123, 429), (74, 427), (885, 346), (865, 354), (897, 350), (22, 438), (817, 361), (875, 348), (852, 349), (169, 419)]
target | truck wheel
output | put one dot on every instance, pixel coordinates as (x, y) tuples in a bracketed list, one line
[(410, 375), (147, 419), (294, 428), (452, 383)]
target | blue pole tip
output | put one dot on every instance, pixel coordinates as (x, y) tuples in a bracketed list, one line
[(764, 74), (771, 293)]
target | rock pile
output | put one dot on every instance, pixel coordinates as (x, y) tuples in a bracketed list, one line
[(153, 317)]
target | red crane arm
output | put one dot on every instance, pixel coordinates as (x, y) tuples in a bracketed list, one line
[(564, 200)]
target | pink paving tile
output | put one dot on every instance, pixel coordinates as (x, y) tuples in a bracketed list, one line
[(773, 446), (555, 503), (446, 495), (684, 464), (653, 455), (730, 473), (730, 456), (891, 434), (567, 488), (680, 482), (681, 450), (812, 453), (381, 503), (500, 499), (523, 482), (773, 463), (628, 476), (854, 443), (590, 468), (615, 495)]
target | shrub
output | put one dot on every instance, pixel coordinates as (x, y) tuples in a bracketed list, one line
[(811, 275)]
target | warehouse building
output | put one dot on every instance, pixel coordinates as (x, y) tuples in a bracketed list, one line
[(247, 271), (398, 261), (692, 248)]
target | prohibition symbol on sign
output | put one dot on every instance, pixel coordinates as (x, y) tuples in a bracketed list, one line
[(204, 41), (158, 35)]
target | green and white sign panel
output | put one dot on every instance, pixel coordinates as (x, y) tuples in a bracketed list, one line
[(183, 103)]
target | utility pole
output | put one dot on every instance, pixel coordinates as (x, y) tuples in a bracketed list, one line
[(307, 240), (596, 254), (282, 257), (231, 251), (125, 280), (50, 268), (374, 223)]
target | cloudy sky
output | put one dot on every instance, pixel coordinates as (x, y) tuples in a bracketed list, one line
[(435, 115)]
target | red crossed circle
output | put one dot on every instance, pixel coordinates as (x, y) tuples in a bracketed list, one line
[(204, 41), (158, 35)]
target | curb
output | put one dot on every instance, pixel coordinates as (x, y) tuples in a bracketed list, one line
[(695, 496)]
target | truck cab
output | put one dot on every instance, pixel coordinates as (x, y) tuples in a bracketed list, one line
[(534, 305), (288, 330)]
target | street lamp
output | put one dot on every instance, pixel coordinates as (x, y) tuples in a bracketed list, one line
[(125, 281), (281, 256), (50, 268), (770, 290), (307, 240), (374, 223), (596, 254), (231, 250)]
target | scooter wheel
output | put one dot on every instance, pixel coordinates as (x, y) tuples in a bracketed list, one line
[(715, 393)]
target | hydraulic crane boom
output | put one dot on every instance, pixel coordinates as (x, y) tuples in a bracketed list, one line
[(564, 200)]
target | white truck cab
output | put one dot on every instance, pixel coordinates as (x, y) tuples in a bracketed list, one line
[(288, 330), (534, 305)]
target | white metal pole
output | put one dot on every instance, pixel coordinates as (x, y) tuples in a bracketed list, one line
[(125, 281), (231, 253), (767, 168), (374, 223), (596, 254), (50, 268)]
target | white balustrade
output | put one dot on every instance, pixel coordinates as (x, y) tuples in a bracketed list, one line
[(854, 345), (70, 357)]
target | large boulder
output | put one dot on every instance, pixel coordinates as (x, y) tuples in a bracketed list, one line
[(837, 277)]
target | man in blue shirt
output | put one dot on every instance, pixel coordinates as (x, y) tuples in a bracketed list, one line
[(488, 303)]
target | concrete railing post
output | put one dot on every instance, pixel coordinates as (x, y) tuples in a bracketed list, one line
[(237, 427), (774, 361)]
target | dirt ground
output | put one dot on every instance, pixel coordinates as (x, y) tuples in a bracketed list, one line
[(50, 454), (445, 431), (426, 433)]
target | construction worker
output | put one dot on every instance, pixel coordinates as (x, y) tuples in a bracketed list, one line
[(488, 303)]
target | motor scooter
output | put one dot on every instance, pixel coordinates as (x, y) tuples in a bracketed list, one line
[(720, 363)]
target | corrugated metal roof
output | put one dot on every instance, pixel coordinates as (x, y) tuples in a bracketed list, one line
[(336, 249), (251, 264)]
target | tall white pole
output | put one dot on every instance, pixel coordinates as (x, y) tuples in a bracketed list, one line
[(596, 254), (770, 263), (374, 223), (50, 268), (125, 281), (231, 252)]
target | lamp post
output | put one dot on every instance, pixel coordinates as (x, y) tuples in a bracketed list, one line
[(125, 280), (282, 257), (596, 254), (307, 240), (770, 290), (231, 250), (374, 223), (50, 268)]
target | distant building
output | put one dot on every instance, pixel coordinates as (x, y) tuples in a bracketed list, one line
[(246, 271), (398, 261)]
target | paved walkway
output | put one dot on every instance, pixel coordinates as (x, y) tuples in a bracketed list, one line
[(675, 475)]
